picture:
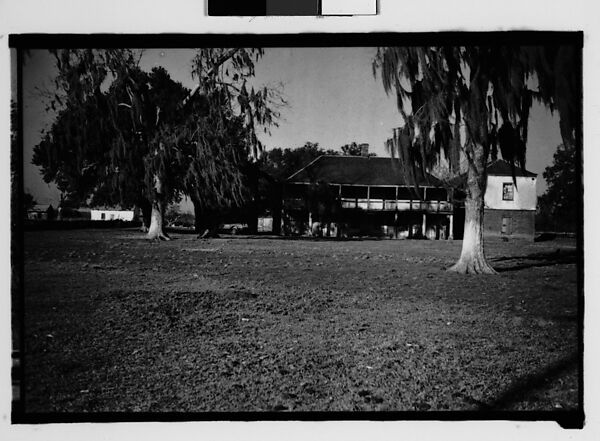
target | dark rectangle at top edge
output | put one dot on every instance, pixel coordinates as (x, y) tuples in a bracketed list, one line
[(368, 39), (263, 7), (293, 7), (229, 8)]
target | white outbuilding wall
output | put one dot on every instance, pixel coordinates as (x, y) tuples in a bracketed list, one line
[(524, 193), (111, 215)]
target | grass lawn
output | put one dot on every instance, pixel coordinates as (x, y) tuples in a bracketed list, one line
[(116, 323)]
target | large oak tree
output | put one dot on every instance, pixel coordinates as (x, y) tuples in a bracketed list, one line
[(125, 135), (102, 147), (461, 105)]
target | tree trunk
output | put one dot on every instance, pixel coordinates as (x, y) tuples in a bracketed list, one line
[(472, 257), (276, 209), (145, 207), (252, 218), (197, 217), (206, 223), (157, 216), (252, 210)]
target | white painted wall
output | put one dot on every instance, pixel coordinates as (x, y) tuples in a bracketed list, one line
[(525, 197), (111, 215)]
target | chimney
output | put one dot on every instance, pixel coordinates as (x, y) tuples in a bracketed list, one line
[(364, 149)]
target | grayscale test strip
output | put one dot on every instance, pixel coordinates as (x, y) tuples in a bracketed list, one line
[(291, 7)]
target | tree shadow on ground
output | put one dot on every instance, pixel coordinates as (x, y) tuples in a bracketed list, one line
[(516, 263), (520, 389)]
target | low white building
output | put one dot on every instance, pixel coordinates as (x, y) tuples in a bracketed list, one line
[(124, 215)]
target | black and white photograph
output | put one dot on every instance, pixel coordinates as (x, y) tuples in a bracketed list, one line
[(312, 220), (386, 230)]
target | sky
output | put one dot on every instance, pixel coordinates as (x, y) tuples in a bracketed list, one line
[(333, 97)]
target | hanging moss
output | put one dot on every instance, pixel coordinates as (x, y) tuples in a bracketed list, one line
[(441, 96)]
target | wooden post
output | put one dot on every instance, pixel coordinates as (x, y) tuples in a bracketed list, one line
[(451, 232), (424, 224)]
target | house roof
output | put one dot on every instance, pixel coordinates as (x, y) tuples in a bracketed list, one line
[(502, 168), (357, 170)]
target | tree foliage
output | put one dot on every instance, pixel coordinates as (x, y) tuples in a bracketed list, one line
[(354, 149), (453, 100), (29, 202), (282, 163), (559, 205), (123, 134), (463, 105), (99, 149), (224, 140), (97, 145)]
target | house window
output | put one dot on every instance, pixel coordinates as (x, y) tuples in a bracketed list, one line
[(506, 225), (507, 192)]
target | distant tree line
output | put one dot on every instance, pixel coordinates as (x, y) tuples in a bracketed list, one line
[(282, 163)]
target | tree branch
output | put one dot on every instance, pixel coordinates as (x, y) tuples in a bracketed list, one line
[(211, 71)]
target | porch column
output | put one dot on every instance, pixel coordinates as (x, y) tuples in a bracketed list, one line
[(281, 225), (424, 224), (451, 232)]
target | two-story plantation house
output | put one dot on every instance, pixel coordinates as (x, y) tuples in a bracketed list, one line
[(372, 197), (509, 205)]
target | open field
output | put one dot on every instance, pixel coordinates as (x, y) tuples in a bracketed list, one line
[(116, 323)]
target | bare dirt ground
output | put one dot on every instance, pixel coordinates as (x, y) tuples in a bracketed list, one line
[(116, 323)]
